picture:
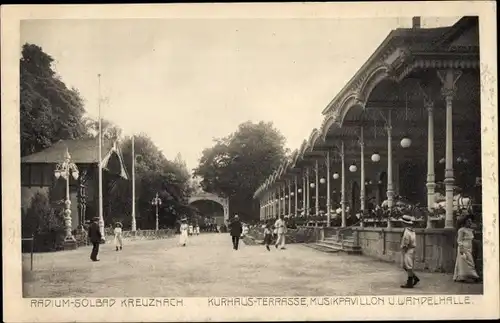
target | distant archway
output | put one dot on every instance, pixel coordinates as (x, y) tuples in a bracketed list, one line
[(204, 196)]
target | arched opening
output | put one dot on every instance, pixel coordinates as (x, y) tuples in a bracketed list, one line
[(209, 213)]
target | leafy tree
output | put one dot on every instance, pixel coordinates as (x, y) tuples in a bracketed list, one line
[(154, 173), (50, 111), (109, 129), (237, 164)]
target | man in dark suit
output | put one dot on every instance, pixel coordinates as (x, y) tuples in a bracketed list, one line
[(235, 231), (95, 238)]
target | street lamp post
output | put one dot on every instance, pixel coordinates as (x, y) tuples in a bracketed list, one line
[(66, 169), (156, 201)]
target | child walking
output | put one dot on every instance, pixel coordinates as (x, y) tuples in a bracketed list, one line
[(268, 236)]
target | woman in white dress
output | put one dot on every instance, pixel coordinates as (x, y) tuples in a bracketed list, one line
[(184, 233), (118, 236), (465, 268)]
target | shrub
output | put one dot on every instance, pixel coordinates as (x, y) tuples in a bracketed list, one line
[(45, 223)]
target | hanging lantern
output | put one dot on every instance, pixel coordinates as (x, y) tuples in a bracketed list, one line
[(459, 159), (292, 194), (375, 157), (299, 190), (405, 142), (380, 182), (312, 185), (336, 175), (353, 168), (286, 196), (281, 199), (370, 182), (442, 161), (366, 183), (339, 211), (322, 180)]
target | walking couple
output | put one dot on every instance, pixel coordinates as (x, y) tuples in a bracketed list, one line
[(279, 230)]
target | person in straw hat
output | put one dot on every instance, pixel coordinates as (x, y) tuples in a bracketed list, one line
[(118, 236), (184, 232), (408, 245)]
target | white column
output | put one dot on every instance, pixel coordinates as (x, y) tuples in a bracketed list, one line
[(289, 198), (271, 207), (362, 186), (295, 196), (279, 200), (342, 198), (101, 212), (283, 195), (390, 187), (316, 206), (268, 212), (308, 186), (449, 78), (304, 193), (268, 205), (134, 224), (431, 185), (328, 190)]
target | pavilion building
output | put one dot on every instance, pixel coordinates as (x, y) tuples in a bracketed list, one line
[(407, 126), (38, 169)]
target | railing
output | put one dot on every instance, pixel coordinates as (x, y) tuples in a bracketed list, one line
[(32, 240), (144, 234)]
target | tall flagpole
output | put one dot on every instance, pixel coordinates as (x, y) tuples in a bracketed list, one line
[(134, 225), (101, 217)]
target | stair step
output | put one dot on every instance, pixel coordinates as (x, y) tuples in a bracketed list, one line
[(335, 239), (321, 247), (340, 244), (333, 249)]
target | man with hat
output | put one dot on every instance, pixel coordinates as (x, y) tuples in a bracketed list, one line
[(408, 245), (235, 231), (95, 238)]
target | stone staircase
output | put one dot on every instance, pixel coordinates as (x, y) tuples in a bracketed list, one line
[(337, 243)]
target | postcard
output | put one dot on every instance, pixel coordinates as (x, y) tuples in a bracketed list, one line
[(250, 162)]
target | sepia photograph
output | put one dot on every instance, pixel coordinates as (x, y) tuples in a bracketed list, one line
[(254, 162)]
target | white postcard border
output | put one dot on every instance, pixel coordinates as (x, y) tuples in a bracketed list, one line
[(198, 309)]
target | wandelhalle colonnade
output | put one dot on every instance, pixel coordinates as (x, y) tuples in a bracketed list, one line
[(416, 100)]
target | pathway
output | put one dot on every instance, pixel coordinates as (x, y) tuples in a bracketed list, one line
[(209, 267)]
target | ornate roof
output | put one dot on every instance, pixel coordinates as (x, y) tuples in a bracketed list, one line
[(402, 51)]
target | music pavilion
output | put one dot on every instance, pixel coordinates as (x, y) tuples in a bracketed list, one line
[(406, 122)]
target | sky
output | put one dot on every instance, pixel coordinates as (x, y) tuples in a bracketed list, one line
[(184, 81)]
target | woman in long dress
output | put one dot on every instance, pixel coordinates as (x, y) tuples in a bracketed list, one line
[(465, 269), (184, 233)]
